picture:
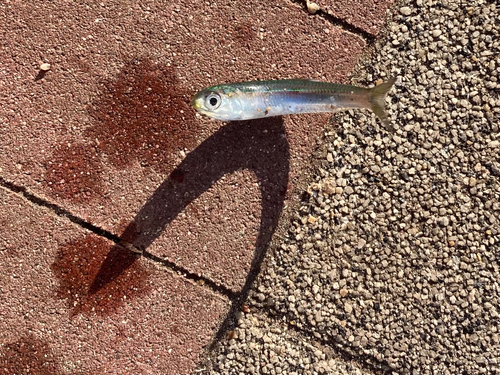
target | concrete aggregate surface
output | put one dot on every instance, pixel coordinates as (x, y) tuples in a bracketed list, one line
[(262, 344), (393, 255), (139, 237)]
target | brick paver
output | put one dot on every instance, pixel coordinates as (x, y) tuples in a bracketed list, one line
[(69, 305)]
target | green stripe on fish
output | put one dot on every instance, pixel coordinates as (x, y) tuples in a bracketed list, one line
[(258, 99)]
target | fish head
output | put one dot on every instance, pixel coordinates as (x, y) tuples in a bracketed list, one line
[(220, 102)]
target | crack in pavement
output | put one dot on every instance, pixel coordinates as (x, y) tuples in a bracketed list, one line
[(124, 245), (338, 22)]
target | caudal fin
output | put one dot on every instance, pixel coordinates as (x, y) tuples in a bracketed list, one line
[(377, 100)]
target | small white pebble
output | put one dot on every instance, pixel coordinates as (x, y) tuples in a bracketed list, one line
[(312, 7), (436, 33), (405, 11), (45, 67)]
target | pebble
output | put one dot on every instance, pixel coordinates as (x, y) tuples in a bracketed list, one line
[(406, 11), (348, 308), (361, 243), (436, 33), (45, 67), (312, 7)]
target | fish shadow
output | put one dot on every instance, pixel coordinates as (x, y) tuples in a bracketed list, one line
[(259, 146), (41, 75)]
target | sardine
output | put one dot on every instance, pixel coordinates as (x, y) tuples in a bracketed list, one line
[(258, 99)]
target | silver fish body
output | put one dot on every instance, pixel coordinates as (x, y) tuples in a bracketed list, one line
[(258, 99)]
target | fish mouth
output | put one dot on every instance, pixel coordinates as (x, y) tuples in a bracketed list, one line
[(196, 102)]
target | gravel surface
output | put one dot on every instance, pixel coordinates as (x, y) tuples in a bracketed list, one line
[(394, 254), (264, 345)]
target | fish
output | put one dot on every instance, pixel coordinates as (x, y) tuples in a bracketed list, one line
[(258, 99)]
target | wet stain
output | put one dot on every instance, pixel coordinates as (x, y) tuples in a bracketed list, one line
[(144, 115), (73, 172), (244, 33), (28, 356), (96, 277)]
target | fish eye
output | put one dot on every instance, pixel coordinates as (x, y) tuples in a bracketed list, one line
[(213, 101)]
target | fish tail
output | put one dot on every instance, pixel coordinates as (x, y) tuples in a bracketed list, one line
[(377, 100)]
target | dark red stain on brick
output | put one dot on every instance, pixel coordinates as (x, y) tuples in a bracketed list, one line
[(73, 172), (96, 277), (142, 115), (28, 356), (244, 33)]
